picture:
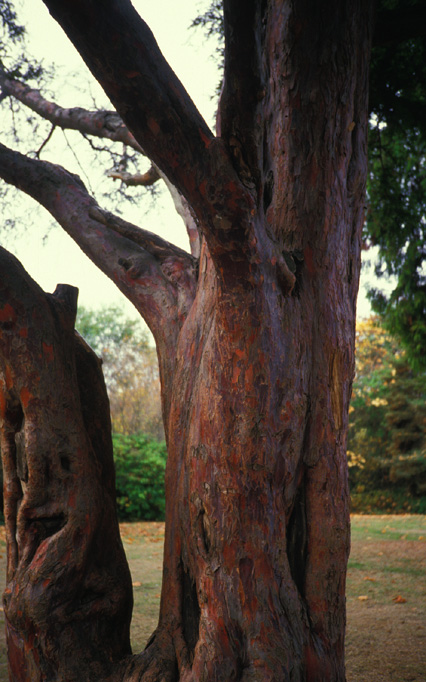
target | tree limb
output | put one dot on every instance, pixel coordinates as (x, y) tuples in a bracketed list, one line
[(139, 82), (136, 179), (181, 205), (156, 276), (120, 50), (104, 124), (396, 25), (243, 87)]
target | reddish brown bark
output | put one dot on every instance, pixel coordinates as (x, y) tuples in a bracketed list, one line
[(105, 124), (256, 345), (68, 596)]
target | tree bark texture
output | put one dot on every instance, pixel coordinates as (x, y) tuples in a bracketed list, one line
[(256, 339), (68, 596)]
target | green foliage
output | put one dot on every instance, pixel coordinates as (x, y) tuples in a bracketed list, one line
[(106, 328), (387, 429), (140, 464), (396, 214)]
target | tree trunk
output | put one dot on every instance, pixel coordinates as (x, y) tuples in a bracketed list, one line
[(68, 596), (256, 348)]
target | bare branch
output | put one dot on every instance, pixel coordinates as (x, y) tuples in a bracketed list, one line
[(139, 82), (104, 124), (120, 50), (142, 179), (157, 277), (101, 124), (45, 141)]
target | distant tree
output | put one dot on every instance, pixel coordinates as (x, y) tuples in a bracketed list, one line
[(396, 214), (130, 368), (387, 415)]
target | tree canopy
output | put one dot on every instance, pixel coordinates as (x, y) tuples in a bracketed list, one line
[(387, 419)]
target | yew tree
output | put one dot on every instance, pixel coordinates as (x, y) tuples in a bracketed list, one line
[(255, 340)]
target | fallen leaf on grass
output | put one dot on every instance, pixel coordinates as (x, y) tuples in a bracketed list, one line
[(372, 580), (136, 583), (363, 597), (157, 596), (399, 600)]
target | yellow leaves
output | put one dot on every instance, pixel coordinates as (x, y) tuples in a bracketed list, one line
[(355, 459), (379, 402)]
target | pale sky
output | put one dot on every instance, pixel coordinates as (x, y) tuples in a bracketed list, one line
[(60, 260)]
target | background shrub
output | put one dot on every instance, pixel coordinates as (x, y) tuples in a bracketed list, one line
[(140, 463), (386, 501)]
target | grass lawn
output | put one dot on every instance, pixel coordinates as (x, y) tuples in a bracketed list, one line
[(386, 595)]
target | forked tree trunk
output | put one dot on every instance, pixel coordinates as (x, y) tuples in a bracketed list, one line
[(256, 345)]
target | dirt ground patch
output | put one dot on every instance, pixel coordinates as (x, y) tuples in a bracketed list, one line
[(386, 595)]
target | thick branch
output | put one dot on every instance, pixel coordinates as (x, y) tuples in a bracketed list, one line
[(243, 87), (396, 25), (122, 54), (157, 277), (124, 57), (104, 124), (186, 212)]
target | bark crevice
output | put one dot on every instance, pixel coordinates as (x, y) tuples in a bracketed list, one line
[(190, 611), (297, 540)]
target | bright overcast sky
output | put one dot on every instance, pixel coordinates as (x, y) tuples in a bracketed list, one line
[(60, 260)]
